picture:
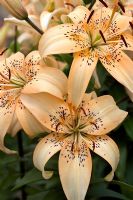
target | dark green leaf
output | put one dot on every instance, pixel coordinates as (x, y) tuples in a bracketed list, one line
[(30, 177), (128, 125)]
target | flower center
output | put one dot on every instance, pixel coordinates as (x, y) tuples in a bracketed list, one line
[(17, 81), (78, 122), (11, 79)]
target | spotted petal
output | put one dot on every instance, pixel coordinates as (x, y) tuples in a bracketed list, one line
[(27, 120), (7, 107), (49, 80), (64, 38), (101, 20), (32, 59), (128, 44), (105, 147), (75, 167), (14, 126), (49, 110), (118, 64), (80, 14), (103, 115), (16, 62), (44, 150), (81, 71), (46, 17), (119, 25)]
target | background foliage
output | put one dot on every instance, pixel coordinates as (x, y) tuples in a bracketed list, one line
[(20, 180)]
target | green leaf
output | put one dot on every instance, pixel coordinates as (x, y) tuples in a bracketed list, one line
[(30, 177), (40, 196), (102, 73), (128, 125), (54, 195), (52, 183), (100, 190), (68, 58), (120, 172), (126, 188)]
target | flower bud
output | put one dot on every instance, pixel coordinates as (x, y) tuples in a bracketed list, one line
[(15, 7)]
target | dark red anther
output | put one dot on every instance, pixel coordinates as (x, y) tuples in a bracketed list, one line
[(9, 75), (69, 4), (93, 145), (131, 24), (121, 6), (90, 16), (102, 36), (57, 126), (123, 39), (83, 111), (103, 2), (3, 51)]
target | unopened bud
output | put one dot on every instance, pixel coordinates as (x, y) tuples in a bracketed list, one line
[(16, 8)]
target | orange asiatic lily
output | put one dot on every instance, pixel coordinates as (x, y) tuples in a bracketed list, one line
[(123, 6), (19, 75), (75, 130), (92, 35)]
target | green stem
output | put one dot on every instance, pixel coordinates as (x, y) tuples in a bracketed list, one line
[(21, 163), (34, 26), (15, 39)]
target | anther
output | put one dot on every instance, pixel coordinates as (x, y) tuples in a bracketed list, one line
[(102, 36), (57, 126), (9, 71), (93, 145), (103, 2), (4, 76), (131, 24), (3, 51), (94, 124), (69, 4), (83, 111), (90, 16), (123, 39), (72, 147), (121, 6)]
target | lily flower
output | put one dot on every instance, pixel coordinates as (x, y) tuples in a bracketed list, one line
[(123, 6), (92, 35), (19, 75), (75, 130)]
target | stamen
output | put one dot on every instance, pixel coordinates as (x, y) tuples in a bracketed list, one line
[(94, 124), (121, 6), (90, 16), (69, 4), (72, 147), (103, 2), (9, 71), (57, 126), (83, 111), (3, 51), (102, 36), (131, 24), (93, 145), (123, 39), (4, 76)]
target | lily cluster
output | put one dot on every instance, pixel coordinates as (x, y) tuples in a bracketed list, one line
[(36, 95)]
